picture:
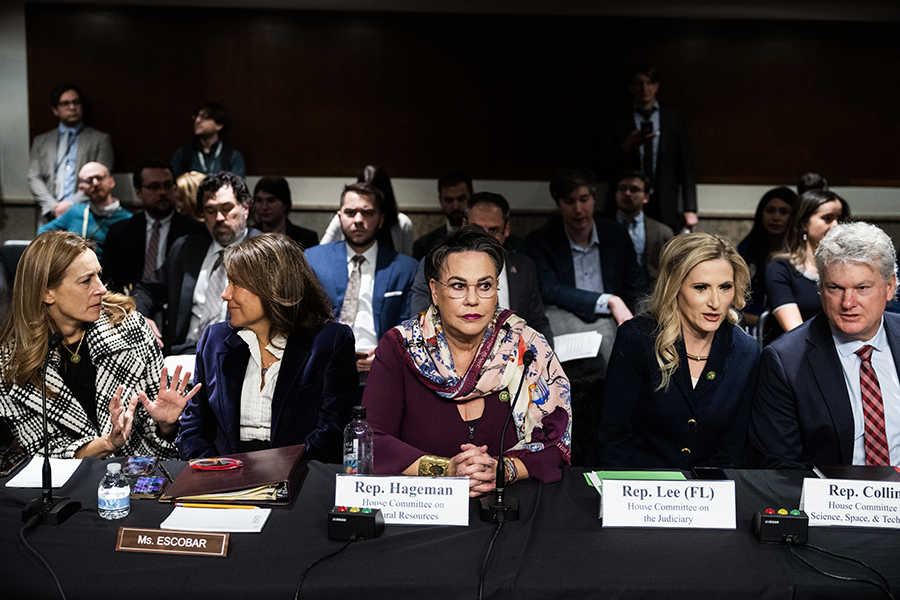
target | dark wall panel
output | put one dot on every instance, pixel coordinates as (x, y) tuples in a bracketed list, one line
[(507, 97)]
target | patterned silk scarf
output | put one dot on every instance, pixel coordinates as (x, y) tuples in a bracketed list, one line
[(497, 367)]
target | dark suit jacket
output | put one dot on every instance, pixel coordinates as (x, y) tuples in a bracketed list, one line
[(422, 245), (303, 236), (674, 163), (657, 234), (125, 247), (172, 287), (524, 294), (317, 384), (801, 414), (549, 248), (394, 275), (642, 427)]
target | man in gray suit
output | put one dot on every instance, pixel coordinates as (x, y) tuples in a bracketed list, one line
[(648, 235), (518, 283), (58, 155)]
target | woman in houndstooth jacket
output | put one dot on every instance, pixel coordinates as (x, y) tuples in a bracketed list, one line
[(108, 352)]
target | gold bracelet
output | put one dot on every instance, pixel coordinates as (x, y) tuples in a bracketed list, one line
[(434, 466)]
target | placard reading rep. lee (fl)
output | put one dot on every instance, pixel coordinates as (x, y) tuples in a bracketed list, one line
[(674, 504), (407, 500), (851, 502)]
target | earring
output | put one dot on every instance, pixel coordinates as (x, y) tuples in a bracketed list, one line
[(804, 237)]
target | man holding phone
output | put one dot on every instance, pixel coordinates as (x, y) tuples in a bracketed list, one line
[(654, 140)]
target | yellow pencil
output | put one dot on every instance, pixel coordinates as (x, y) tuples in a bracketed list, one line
[(187, 505)]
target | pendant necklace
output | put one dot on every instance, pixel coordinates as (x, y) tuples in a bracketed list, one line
[(75, 358), (697, 358)]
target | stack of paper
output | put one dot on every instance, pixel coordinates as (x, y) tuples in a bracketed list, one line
[(230, 520), (572, 346)]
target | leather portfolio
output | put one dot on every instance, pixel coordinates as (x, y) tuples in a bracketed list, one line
[(281, 469)]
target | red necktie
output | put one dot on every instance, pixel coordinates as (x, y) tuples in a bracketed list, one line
[(877, 449)]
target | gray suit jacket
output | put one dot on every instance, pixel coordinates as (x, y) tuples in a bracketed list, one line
[(93, 146), (657, 234)]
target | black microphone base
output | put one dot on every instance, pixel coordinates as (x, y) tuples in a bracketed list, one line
[(55, 513), (491, 511)]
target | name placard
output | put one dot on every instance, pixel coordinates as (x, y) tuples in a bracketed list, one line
[(407, 500), (675, 504), (851, 502), (165, 541)]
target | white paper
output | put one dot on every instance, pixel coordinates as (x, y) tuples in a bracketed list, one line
[(223, 520), (572, 346), (407, 500), (185, 360), (31, 475), (669, 504), (851, 503)]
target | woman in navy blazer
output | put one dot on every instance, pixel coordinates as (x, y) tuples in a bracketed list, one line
[(281, 372), (682, 375)]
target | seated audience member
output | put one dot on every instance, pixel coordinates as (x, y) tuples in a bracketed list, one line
[(766, 238), (811, 181), (828, 391), (107, 364), (58, 155), (208, 154), (190, 282), (397, 231), (186, 195), (648, 235), (282, 372), (92, 220), (368, 285), (681, 377), (517, 285), (586, 265), (271, 206), (454, 191), (437, 394), (791, 276), (136, 247)]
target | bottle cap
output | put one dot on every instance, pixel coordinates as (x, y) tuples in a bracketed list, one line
[(359, 412), (113, 467)]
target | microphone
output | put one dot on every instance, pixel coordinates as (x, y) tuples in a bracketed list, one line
[(47, 508), (499, 509)]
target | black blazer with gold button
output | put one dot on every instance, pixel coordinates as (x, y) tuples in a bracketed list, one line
[(683, 426)]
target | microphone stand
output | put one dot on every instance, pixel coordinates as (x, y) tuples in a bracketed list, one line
[(496, 508), (49, 508)]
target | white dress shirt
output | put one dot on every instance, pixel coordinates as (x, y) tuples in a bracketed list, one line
[(256, 395)]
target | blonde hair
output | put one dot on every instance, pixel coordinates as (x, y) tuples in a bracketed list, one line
[(188, 185), (28, 325), (679, 256)]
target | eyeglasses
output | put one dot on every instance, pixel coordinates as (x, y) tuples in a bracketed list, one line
[(92, 179), (631, 188), (157, 186), (202, 116), (459, 290), (72, 103)]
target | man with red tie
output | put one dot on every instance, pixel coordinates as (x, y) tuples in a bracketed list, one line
[(829, 391)]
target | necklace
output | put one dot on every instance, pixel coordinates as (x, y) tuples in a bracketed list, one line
[(697, 358), (75, 358)]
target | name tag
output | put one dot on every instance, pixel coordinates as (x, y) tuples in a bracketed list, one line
[(164, 541), (675, 504), (397, 293), (407, 500), (851, 502)]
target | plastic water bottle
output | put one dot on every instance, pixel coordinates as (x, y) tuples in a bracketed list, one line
[(113, 494), (358, 442)]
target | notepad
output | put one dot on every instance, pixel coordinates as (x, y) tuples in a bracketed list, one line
[(595, 478), (223, 520), (31, 475)]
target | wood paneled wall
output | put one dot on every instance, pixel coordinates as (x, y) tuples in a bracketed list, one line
[(505, 97)]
